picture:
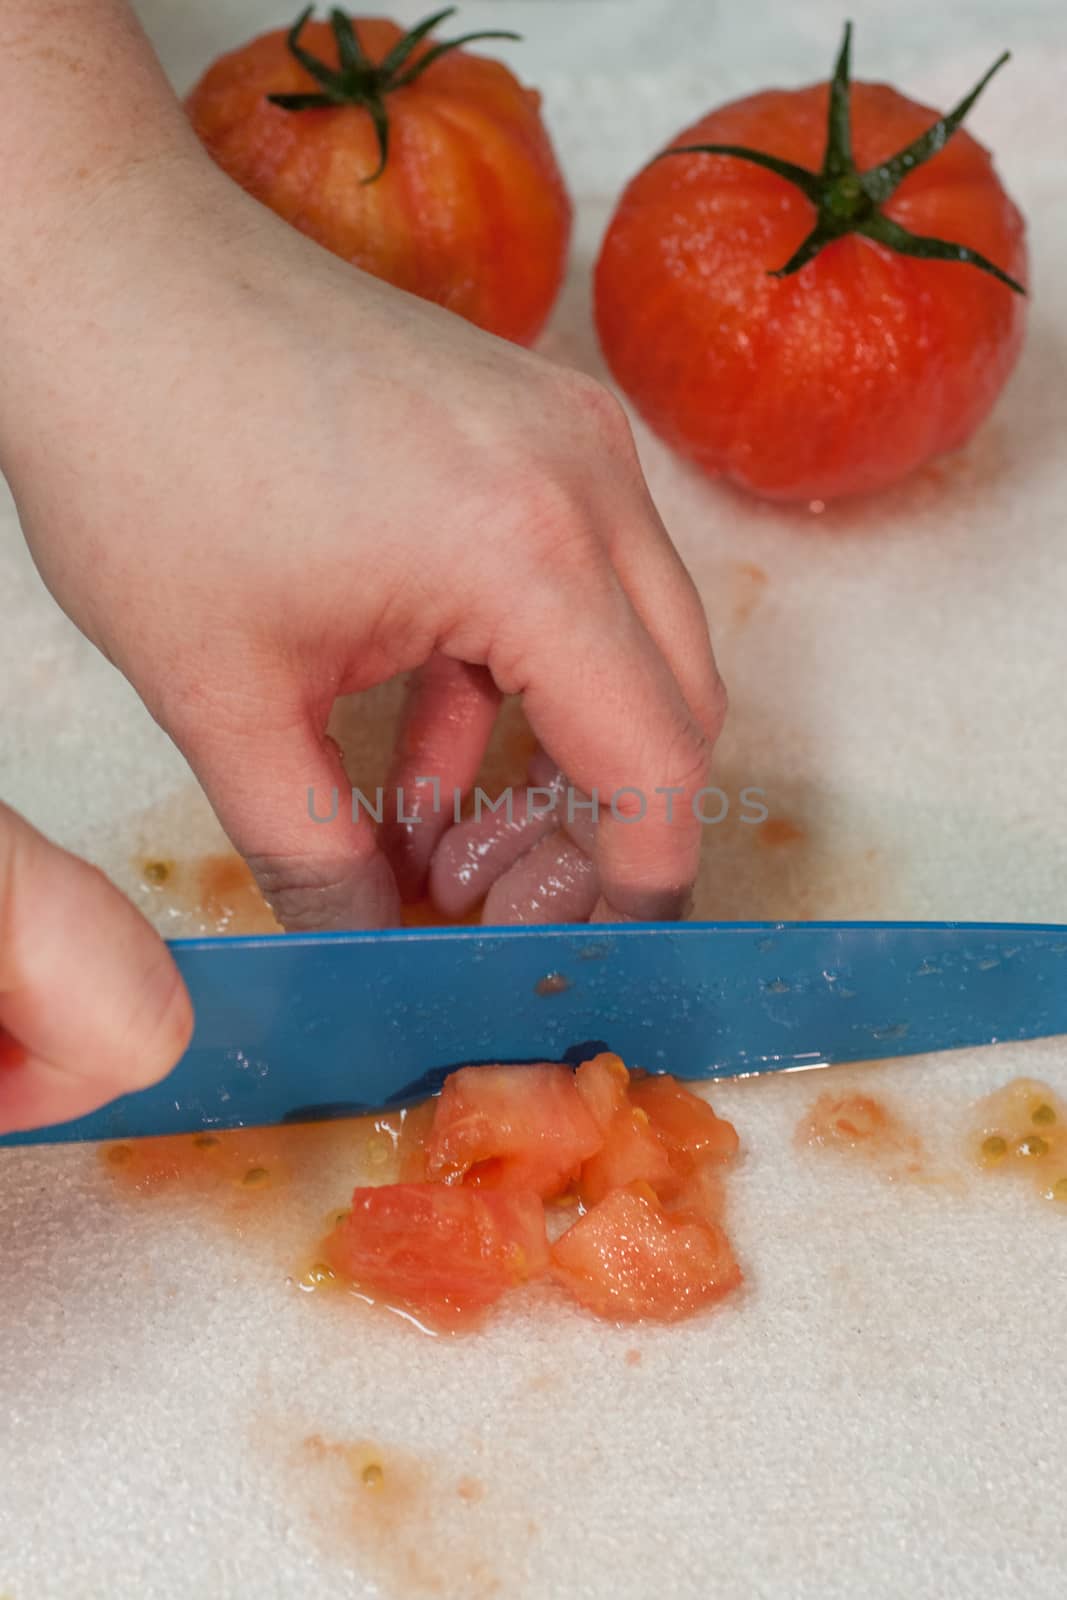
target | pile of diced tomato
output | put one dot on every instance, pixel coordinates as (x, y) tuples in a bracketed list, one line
[(640, 1160)]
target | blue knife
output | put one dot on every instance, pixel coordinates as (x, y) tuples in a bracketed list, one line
[(301, 1027)]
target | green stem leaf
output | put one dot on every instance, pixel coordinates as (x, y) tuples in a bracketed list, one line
[(885, 231), (881, 181), (838, 158), (304, 102), (400, 52), (807, 182), (805, 252), (380, 118), (311, 64), (442, 49), (349, 50)]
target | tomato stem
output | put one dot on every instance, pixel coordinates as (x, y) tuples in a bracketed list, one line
[(356, 80), (849, 201)]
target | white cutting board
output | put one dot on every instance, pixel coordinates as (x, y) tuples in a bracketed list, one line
[(883, 1412)]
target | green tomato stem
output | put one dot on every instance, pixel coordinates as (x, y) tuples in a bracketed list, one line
[(849, 201)]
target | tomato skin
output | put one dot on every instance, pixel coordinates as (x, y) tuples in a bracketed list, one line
[(627, 1259), (445, 1253), (471, 210), (850, 373), (512, 1127)]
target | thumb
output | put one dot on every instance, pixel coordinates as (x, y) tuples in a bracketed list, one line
[(91, 1004), (282, 795)]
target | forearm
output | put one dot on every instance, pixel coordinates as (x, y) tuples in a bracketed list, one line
[(82, 96), (84, 105)]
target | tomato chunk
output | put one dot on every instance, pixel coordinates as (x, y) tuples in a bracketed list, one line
[(701, 1193), (411, 1144), (443, 1252), (627, 1259), (632, 1151), (512, 1128), (602, 1083), (686, 1124)]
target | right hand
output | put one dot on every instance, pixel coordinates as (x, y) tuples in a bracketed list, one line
[(259, 479)]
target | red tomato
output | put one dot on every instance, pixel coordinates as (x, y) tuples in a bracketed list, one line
[(627, 1259), (512, 1127), (469, 210), (442, 1252), (687, 1125), (858, 365)]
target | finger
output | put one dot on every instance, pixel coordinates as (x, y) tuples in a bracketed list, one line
[(553, 882), (474, 853), (91, 1003), (576, 821), (602, 912), (280, 791), (448, 718), (610, 711), (666, 599)]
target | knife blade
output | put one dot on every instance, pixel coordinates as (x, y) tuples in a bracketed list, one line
[(299, 1027)]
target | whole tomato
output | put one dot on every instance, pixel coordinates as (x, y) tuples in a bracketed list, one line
[(814, 291), (414, 160)]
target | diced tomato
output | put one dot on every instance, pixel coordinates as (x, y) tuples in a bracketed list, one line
[(443, 1252), (701, 1193), (632, 1151), (411, 1143), (686, 1124), (466, 1220), (602, 1083), (512, 1128), (627, 1259)]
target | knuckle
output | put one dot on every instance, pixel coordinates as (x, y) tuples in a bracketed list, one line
[(307, 893), (687, 759), (716, 710), (303, 894), (558, 532), (600, 410), (508, 658)]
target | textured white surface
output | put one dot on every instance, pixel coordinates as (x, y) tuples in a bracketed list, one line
[(883, 1412)]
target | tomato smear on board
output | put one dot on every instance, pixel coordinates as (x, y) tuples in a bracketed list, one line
[(641, 1159), (863, 1125), (1021, 1131)]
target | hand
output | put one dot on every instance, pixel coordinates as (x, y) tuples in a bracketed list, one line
[(91, 1004), (259, 479)]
